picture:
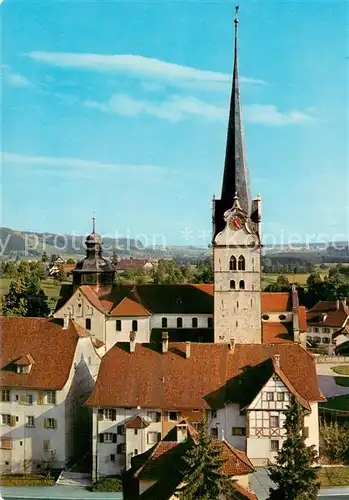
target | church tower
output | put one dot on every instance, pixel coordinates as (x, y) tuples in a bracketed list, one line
[(236, 237)]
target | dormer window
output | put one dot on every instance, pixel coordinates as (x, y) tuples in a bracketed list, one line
[(24, 363)]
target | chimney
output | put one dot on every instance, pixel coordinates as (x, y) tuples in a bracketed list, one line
[(295, 299), (187, 350), (337, 305), (276, 359), (231, 345), (164, 342), (65, 322), (132, 341)]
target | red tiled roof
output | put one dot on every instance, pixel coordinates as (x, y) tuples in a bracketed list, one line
[(212, 375), (128, 307), (276, 333), (302, 318), (236, 461), (26, 360), (242, 493), (52, 347), (92, 297), (325, 313), (276, 302), (97, 343), (136, 422), (205, 287)]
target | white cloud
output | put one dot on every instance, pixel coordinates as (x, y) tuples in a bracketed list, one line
[(80, 164), (14, 79), (268, 114), (177, 108), (141, 67), (174, 109)]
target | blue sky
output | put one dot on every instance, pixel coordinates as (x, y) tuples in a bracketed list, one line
[(121, 108)]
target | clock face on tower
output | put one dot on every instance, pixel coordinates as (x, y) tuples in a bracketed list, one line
[(235, 223)]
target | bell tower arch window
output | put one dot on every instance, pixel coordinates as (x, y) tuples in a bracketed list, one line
[(241, 263), (232, 284), (242, 285), (232, 263)]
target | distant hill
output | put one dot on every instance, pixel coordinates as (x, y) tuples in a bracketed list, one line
[(14, 242)]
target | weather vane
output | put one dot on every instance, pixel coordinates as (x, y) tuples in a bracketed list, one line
[(236, 20)]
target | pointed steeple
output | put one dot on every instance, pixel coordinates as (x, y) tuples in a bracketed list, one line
[(235, 168)]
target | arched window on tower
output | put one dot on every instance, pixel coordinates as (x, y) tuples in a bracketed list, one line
[(241, 263), (232, 284), (232, 263), (242, 285)]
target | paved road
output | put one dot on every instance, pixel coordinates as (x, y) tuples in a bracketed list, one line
[(54, 493)]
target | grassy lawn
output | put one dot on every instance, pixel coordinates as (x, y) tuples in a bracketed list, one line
[(334, 476), (337, 403), (341, 370), (26, 480), (342, 381)]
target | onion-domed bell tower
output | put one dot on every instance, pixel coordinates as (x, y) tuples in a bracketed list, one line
[(94, 269), (236, 237)]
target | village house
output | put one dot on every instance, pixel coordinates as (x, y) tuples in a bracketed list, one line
[(150, 469), (134, 264), (243, 389), (327, 323), (47, 372)]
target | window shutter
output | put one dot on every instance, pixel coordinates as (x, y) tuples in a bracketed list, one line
[(159, 436), (45, 423), (305, 432), (100, 414), (113, 415), (40, 398), (158, 416), (55, 423), (120, 429), (22, 399), (101, 438), (13, 420), (118, 449), (114, 437)]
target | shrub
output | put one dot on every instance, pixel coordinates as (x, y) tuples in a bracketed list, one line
[(107, 483), (336, 439)]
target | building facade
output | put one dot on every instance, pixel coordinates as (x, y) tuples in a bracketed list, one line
[(47, 373)]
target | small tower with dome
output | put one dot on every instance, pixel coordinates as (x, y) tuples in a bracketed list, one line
[(94, 269)]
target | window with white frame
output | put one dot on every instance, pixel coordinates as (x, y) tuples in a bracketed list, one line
[(108, 437), (326, 340), (214, 432), (30, 421), (270, 396), (51, 397), (281, 396), (326, 330), (51, 423), (110, 414), (274, 445), (152, 437), (5, 419), (5, 395), (172, 415), (29, 399), (274, 421), (154, 416)]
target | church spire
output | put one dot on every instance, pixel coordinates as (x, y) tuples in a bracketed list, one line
[(235, 178)]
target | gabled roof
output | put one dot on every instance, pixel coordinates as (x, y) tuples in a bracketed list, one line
[(328, 313), (42, 341), (154, 464), (276, 333), (136, 422), (212, 375), (276, 302), (129, 307), (25, 360)]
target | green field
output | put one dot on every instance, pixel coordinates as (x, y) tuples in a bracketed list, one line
[(341, 370), (334, 476), (50, 288)]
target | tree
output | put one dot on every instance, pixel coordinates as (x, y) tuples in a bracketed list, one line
[(23, 268), (60, 276), (38, 269), (10, 269), (71, 261), (44, 257), (202, 464), (293, 473), (25, 298), (281, 285)]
